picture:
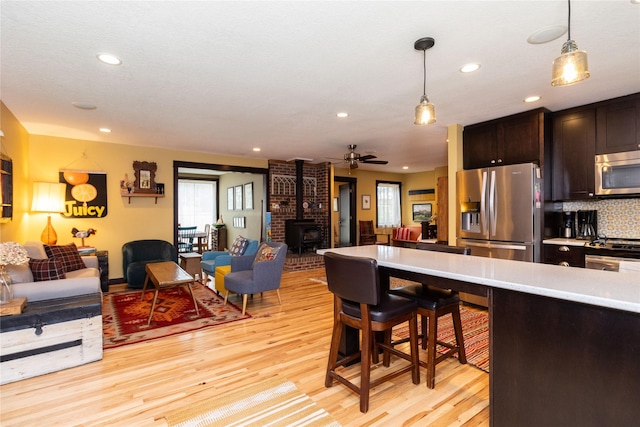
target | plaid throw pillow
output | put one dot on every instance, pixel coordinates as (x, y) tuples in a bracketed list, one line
[(46, 269), (239, 246), (68, 254)]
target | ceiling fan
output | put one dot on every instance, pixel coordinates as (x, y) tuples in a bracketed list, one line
[(353, 158)]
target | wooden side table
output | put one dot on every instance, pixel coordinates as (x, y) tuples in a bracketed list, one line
[(103, 263), (190, 262), (218, 239)]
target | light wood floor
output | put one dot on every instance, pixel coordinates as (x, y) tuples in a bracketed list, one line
[(136, 385)]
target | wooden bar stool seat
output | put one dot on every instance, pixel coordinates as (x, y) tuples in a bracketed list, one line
[(434, 302), (360, 303)]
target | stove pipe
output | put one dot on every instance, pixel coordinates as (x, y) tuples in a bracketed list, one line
[(299, 189)]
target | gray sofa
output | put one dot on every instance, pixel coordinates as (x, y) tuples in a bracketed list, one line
[(80, 282)]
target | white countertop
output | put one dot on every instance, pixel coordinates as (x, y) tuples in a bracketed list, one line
[(564, 241), (601, 288)]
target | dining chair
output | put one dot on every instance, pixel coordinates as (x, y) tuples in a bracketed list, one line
[(368, 235), (433, 303), (202, 242), (185, 238), (360, 302)]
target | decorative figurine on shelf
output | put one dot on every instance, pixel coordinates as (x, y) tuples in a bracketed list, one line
[(219, 223), (82, 234), (126, 184)]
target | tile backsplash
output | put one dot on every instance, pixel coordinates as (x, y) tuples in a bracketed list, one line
[(616, 217)]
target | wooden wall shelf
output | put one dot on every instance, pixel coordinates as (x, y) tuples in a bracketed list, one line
[(154, 195)]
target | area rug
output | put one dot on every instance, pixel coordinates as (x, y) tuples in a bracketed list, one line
[(124, 315), (274, 402), (475, 328)]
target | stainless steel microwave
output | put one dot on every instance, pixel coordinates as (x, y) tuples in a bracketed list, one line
[(618, 173)]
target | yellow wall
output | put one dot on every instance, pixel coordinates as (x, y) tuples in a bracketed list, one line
[(366, 184), (15, 144), (454, 156)]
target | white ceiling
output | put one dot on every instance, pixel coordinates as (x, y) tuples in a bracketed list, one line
[(226, 76)]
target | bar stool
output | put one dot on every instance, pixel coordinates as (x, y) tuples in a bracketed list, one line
[(433, 303), (360, 303)]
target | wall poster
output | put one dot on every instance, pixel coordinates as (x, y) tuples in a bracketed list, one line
[(86, 194)]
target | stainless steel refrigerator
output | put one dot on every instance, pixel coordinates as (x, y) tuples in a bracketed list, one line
[(499, 212)]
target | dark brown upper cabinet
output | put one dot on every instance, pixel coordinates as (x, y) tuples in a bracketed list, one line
[(506, 141), (574, 142), (618, 125)]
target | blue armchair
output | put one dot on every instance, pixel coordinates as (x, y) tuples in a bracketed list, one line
[(213, 259), (260, 273)]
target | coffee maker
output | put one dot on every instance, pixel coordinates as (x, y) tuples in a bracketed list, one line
[(568, 228), (587, 226)]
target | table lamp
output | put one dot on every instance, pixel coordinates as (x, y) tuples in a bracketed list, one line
[(48, 197)]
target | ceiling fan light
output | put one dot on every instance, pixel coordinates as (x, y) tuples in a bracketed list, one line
[(571, 66), (425, 112)]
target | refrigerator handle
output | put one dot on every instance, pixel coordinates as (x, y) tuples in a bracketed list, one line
[(483, 209), (493, 212)]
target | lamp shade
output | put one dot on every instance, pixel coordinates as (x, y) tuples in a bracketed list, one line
[(48, 197), (571, 66), (425, 112)]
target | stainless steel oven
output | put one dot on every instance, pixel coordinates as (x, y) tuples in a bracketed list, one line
[(607, 263), (612, 255), (618, 173)]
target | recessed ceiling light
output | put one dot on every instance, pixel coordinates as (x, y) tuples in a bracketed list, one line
[(546, 34), (469, 68), (532, 98), (105, 130), (405, 167), (84, 105), (109, 59), (342, 114), (256, 149)]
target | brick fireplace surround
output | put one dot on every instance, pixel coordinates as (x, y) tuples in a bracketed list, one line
[(283, 206)]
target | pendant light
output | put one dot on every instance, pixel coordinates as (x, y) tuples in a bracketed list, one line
[(571, 66), (425, 111)]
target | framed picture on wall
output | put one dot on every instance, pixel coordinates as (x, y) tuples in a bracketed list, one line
[(238, 198), (366, 201), (230, 197), (421, 212), (248, 196)]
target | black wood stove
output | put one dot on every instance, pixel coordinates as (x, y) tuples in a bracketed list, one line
[(301, 234)]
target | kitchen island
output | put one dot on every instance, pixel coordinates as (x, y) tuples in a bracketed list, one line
[(564, 342)]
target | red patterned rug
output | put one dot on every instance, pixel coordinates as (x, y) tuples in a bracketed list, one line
[(475, 328), (124, 315)]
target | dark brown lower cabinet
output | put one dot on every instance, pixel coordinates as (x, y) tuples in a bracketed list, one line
[(560, 363)]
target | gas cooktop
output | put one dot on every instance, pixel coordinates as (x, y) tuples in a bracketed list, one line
[(614, 247)]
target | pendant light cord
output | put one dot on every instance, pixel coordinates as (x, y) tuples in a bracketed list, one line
[(424, 72), (569, 20)]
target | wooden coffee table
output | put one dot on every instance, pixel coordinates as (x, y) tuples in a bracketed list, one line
[(166, 274)]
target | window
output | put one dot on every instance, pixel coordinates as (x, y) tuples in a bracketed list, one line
[(388, 207), (197, 202)]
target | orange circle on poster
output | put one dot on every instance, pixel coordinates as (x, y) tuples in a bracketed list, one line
[(76, 178)]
